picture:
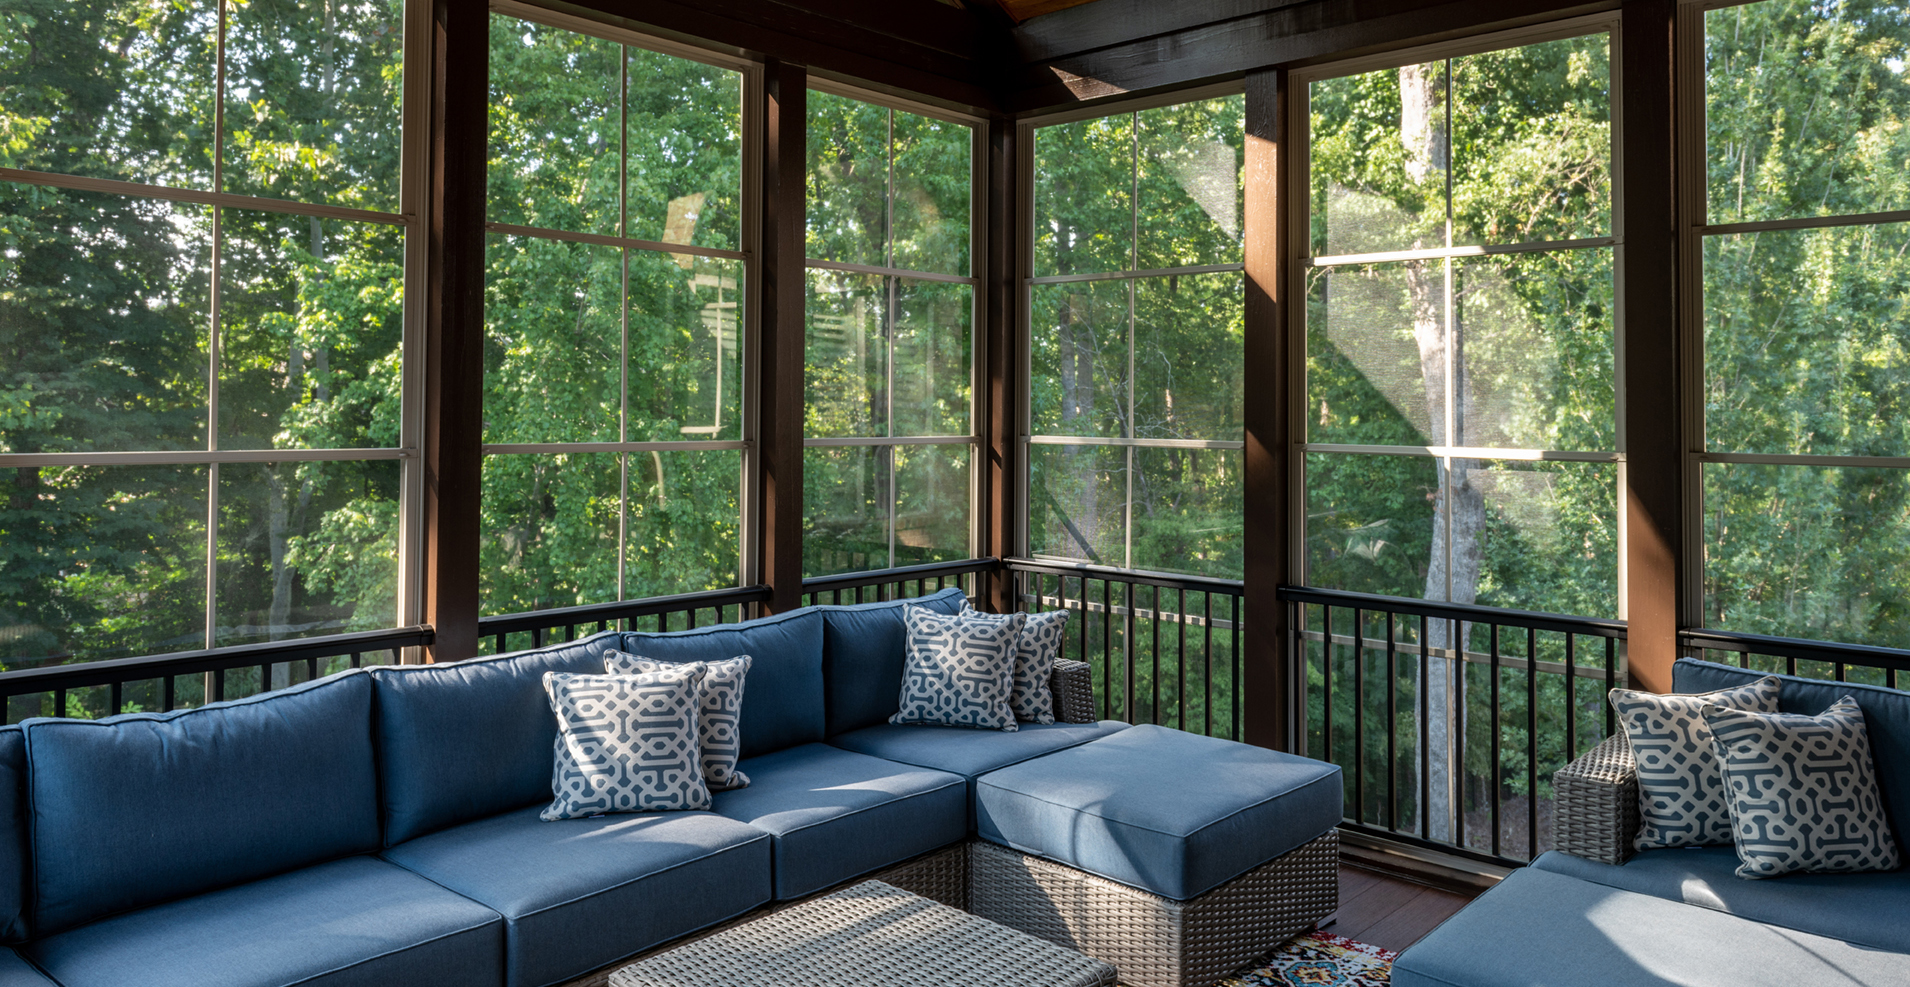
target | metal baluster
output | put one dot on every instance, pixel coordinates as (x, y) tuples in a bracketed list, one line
[(169, 689), (1207, 664), (1838, 668), (1493, 796), (501, 646), (1532, 742), (1107, 648), (691, 617), (1129, 653), (1180, 653), (537, 637), (357, 660), (1461, 679), (1239, 667), (1571, 698), (1359, 715), (1790, 665), (114, 705), (59, 702), (265, 677), (218, 685), (1392, 720), (1425, 748), (1154, 663), (1327, 648), (1611, 682)]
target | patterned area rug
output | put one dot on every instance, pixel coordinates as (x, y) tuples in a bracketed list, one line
[(1319, 959)]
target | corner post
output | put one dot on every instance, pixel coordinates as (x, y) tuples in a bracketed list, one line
[(785, 108), (1001, 314)]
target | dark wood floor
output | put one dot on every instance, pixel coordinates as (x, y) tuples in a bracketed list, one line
[(1389, 912)]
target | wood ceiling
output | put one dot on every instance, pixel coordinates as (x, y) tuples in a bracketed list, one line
[(1021, 10)]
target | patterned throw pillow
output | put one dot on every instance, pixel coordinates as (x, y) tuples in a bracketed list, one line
[(1040, 644), (719, 731), (1803, 792), (959, 670), (625, 743), (1681, 791)]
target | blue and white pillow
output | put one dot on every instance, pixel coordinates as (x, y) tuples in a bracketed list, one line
[(1682, 800), (1803, 791), (719, 724), (1035, 653), (625, 743), (959, 670)]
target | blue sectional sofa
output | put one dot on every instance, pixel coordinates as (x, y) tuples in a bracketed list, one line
[(380, 826), (1682, 916)]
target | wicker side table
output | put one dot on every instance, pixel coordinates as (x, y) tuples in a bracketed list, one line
[(1156, 941), (870, 935)]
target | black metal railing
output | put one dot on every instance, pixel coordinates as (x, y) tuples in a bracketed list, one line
[(160, 683), (1449, 720), (899, 583), (1165, 648), (1830, 661), (503, 633)]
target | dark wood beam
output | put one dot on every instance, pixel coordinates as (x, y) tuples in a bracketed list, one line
[(454, 327), (921, 47), (1266, 692), (1106, 23), (1650, 357), (780, 396), (1001, 312), (1285, 36)]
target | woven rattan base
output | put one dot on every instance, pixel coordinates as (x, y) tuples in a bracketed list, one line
[(1596, 812), (940, 876), (1155, 941), (869, 935)]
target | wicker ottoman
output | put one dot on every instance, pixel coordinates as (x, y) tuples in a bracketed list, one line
[(1175, 857), (869, 935)]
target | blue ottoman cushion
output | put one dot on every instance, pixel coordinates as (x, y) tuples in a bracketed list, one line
[(837, 814), (357, 922), (1867, 909), (16, 972), (583, 893), (1169, 812), (966, 752), (1541, 928), (133, 810)]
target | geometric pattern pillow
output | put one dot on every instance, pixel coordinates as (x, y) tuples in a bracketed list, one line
[(1803, 792), (1039, 646), (1682, 800), (719, 713), (625, 743), (959, 670)]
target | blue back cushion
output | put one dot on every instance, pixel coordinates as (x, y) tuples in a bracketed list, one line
[(470, 739), (13, 834), (862, 650), (782, 697), (147, 807), (1886, 720)]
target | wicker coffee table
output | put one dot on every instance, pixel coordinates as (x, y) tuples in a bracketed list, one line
[(869, 935)]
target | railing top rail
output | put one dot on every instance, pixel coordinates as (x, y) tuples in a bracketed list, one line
[(1471, 613), (1790, 647), (111, 670), (1145, 577), (509, 623), (876, 577)]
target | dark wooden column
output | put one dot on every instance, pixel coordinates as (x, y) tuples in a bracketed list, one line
[(454, 326), (1267, 498), (1000, 313), (779, 428), (1651, 357)]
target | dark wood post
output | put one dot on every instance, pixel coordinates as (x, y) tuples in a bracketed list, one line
[(1650, 355), (1000, 314), (454, 326), (1267, 497), (779, 430)]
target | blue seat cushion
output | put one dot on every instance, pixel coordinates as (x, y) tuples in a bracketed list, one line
[(1886, 721), (782, 695), (1169, 812), (862, 653), (16, 972), (13, 835), (578, 894), (470, 739), (137, 809), (1868, 909), (970, 753), (356, 922), (1541, 928), (837, 814)]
